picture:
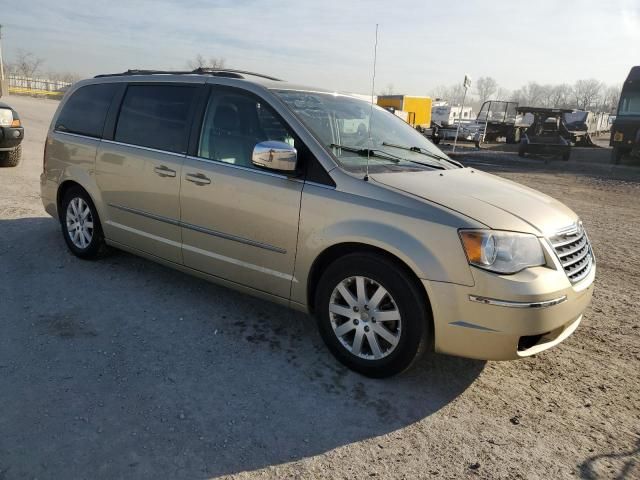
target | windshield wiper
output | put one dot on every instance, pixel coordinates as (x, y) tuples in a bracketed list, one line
[(369, 152), (422, 151)]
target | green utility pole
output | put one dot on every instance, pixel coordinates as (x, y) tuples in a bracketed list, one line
[(2, 82)]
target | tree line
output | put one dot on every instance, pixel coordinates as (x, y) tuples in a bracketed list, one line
[(26, 64), (587, 94)]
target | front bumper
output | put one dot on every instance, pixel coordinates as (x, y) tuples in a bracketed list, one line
[(10, 138), (467, 325)]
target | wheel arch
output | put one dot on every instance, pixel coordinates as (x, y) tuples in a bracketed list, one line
[(63, 188), (70, 182), (339, 250)]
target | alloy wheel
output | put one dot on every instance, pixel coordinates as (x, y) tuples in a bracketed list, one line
[(79, 222), (365, 318)]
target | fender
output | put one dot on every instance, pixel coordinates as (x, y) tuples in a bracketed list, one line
[(437, 257)]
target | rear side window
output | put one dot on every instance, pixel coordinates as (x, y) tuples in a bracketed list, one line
[(85, 111), (156, 116)]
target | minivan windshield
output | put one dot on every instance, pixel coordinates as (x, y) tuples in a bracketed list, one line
[(355, 133)]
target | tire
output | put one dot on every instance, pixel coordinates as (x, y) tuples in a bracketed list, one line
[(616, 155), (522, 149), (12, 158), (90, 244), (403, 299)]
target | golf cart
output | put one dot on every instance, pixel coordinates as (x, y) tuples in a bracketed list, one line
[(547, 134), (498, 119)]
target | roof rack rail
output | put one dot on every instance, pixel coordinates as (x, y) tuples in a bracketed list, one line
[(218, 72)]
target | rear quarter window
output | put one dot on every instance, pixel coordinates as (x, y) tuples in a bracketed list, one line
[(86, 110), (156, 116)]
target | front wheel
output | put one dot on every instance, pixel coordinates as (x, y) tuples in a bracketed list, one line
[(80, 225), (371, 315), (12, 158)]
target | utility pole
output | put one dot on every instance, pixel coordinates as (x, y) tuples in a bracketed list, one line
[(1, 61), (3, 84), (466, 84)]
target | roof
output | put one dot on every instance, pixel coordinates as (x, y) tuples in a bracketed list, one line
[(550, 111), (634, 74), (266, 81), (216, 72)]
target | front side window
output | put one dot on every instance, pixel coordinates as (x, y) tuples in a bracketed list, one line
[(355, 132), (630, 103), (86, 110), (234, 124), (156, 116)]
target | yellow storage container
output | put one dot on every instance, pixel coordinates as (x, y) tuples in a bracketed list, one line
[(417, 109)]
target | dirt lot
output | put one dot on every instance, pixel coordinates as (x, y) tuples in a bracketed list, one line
[(125, 369)]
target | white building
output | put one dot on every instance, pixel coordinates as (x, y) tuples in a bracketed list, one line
[(446, 115)]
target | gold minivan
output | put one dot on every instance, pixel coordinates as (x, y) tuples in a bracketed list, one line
[(322, 202)]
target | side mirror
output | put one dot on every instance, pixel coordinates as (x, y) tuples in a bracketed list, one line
[(275, 155)]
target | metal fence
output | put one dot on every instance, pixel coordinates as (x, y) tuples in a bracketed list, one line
[(36, 86)]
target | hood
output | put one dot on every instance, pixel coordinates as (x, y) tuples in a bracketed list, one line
[(493, 201)]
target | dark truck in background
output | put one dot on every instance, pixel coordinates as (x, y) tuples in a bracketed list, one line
[(625, 131)]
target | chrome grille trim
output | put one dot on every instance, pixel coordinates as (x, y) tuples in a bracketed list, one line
[(573, 250)]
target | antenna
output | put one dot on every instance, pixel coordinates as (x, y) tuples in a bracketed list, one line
[(373, 88)]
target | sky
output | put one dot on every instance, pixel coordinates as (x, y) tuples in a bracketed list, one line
[(330, 43)]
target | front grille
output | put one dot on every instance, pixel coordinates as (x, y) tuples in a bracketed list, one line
[(574, 252)]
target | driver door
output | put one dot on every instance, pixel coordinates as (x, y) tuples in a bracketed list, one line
[(239, 222)]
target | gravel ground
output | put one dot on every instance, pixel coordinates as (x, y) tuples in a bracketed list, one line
[(125, 369)]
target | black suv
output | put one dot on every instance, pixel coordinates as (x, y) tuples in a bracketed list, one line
[(11, 135)]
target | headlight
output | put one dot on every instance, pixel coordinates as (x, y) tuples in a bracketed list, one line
[(502, 252), (6, 117)]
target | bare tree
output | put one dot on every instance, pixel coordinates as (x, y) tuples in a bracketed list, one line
[(560, 96), (452, 94), (485, 87), (201, 62), (441, 92), (26, 64), (502, 93), (388, 90), (586, 93), (610, 98)]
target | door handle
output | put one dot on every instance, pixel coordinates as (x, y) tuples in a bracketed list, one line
[(198, 178), (164, 171)]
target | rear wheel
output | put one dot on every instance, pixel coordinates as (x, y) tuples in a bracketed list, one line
[(81, 226), (12, 158), (371, 315)]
